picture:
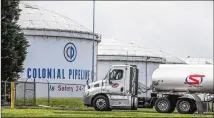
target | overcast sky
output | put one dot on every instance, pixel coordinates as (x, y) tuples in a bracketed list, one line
[(180, 28)]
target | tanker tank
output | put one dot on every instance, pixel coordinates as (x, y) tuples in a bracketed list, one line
[(183, 78)]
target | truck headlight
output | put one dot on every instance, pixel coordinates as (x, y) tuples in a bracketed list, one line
[(87, 93)]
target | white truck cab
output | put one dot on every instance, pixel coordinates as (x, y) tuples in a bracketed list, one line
[(118, 90)]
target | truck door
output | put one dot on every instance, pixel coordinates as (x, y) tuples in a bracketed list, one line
[(117, 81), (116, 88)]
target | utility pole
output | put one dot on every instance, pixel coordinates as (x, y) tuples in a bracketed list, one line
[(146, 72), (92, 74)]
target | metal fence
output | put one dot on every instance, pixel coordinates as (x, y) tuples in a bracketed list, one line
[(25, 93), (5, 93), (39, 93), (42, 93)]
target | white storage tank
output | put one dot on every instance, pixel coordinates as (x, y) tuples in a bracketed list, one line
[(116, 52), (197, 61), (60, 52)]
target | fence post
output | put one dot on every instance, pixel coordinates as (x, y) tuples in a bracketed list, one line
[(34, 94), (12, 95), (48, 95), (24, 91), (15, 93), (5, 91)]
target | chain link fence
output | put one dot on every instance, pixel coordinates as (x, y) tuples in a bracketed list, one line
[(5, 93), (39, 93), (43, 93), (25, 94)]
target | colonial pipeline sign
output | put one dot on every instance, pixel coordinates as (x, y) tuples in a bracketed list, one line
[(59, 61), (62, 64)]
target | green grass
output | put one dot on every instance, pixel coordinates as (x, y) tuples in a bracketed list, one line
[(91, 113), (73, 107), (68, 103)]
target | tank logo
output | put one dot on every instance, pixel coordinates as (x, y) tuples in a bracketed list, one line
[(70, 52), (194, 79), (115, 85)]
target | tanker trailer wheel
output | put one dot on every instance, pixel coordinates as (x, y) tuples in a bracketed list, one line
[(194, 108), (185, 106), (163, 105), (101, 103)]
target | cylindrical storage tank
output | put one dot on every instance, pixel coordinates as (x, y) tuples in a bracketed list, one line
[(183, 78), (116, 52), (59, 55)]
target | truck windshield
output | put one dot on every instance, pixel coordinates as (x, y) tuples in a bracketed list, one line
[(106, 75)]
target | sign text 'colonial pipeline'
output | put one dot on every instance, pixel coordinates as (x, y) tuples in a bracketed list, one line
[(52, 73)]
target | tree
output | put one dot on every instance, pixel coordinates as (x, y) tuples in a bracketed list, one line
[(13, 43)]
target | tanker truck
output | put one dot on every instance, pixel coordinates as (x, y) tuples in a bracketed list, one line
[(187, 88)]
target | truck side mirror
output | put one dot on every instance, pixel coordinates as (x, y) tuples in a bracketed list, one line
[(110, 82), (87, 84), (109, 78)]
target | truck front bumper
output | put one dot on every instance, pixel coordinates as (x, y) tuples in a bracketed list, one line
[(87, 100)]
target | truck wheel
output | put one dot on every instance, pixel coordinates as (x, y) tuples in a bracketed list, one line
[(134, 104), (153, 102), (109, 109), (192, 111), (194, 108), (163, 105), (133, 108), (101, 103), (184, 106)]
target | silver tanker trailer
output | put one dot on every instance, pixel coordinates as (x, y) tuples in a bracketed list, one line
[(188, 88)]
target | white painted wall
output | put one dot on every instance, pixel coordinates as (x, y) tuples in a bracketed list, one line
[(47, 53), (104, 66)]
